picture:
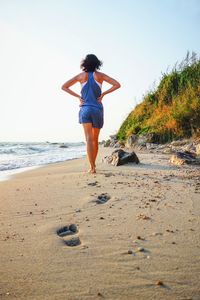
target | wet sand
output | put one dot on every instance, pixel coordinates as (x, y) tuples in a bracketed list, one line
[(135, 233)]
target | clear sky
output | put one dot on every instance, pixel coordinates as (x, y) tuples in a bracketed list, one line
[(43, 42)]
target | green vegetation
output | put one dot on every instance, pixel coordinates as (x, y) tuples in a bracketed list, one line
[(172, 110)]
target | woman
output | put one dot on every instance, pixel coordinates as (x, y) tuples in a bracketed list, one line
[(91, 108)]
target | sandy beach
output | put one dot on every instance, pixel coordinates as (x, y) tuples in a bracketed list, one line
[(136, 232)]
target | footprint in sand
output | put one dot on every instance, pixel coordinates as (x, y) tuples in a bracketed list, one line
[(102, 198), (109, 174), (67, 231), (72, 242), (93, 183)]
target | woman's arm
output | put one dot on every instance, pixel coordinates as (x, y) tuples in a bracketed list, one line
[(115, 85), (67, 84)]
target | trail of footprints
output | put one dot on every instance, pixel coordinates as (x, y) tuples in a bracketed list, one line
[(67, 232)]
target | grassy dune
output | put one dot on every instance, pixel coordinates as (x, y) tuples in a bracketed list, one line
[(172, 110)]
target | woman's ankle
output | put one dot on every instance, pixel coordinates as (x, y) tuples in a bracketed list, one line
[(92, 170)]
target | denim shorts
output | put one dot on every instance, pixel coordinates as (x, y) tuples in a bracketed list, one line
[(91, 114)]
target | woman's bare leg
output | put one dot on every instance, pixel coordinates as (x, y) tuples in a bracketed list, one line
[(88, 130), (96, 132)]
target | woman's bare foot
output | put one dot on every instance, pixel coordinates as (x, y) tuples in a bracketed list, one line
[(92, 170)]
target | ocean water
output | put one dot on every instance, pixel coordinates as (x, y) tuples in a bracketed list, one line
[(18, 157)]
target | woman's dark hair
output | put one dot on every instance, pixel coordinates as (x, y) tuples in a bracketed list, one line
[(91, 63)]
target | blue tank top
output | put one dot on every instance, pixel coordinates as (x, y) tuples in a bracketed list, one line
[(90, 92)]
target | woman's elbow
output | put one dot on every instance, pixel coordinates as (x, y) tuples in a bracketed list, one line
[(118, 85), (63, 87)]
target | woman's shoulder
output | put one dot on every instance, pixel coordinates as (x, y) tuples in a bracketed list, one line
[(82, 76), (104, 77), (100, 75)]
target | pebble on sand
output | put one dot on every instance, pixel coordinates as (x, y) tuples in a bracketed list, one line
[(159, 282), (99, 294), (140, 238), (168, 230)]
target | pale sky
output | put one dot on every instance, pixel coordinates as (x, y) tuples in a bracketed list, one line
[(43, 42)]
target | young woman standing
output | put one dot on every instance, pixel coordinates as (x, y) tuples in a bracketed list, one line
[(91, 107)]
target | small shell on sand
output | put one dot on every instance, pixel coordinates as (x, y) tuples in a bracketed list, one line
[(140, 249), (156, 233), (143, 217)]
